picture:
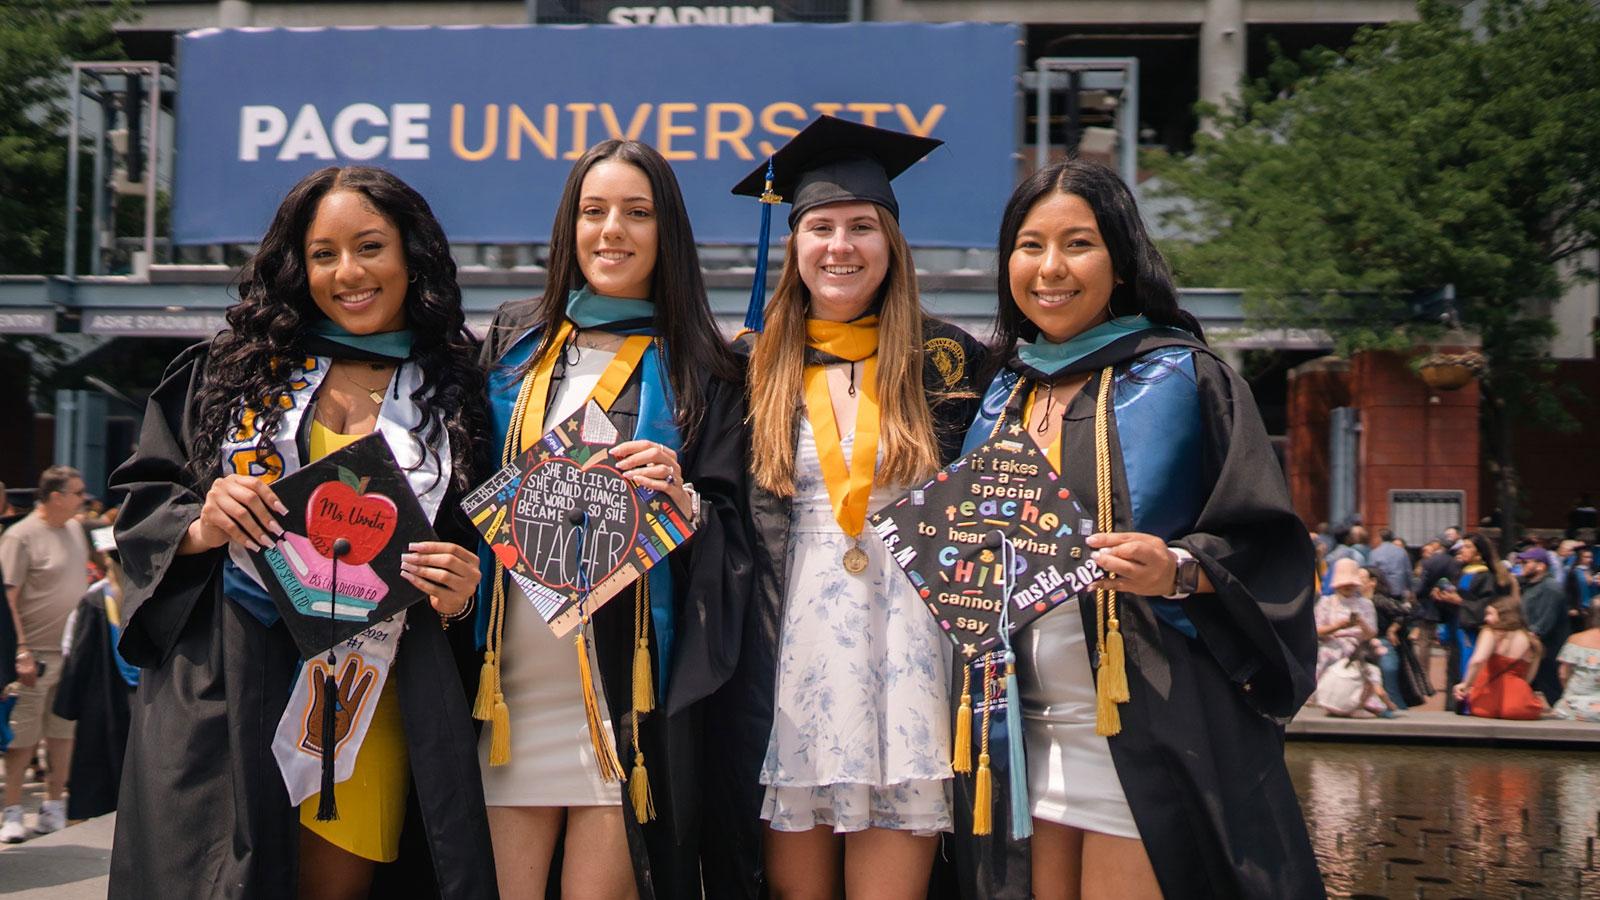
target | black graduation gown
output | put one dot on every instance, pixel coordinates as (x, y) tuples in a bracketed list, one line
[(204, 812), (94, 694), (739, 715), (1200, 755), (709, 566)]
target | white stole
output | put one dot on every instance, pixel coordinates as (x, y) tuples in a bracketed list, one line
[(363, 661)]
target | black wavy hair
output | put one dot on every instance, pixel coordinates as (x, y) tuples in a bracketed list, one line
[(1146, 286), (683, 319), (254, 357)]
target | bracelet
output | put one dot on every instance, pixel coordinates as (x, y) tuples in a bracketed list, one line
[(466, 610), (24, 653)]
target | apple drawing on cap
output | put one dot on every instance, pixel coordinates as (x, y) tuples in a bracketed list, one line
[(343, 509)]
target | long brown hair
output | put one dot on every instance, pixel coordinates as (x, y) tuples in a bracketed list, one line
[(905, 427), (1509, 620), (695, 347)]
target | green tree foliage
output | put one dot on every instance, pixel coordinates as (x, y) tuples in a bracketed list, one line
[(1460, 149), (38, 40)]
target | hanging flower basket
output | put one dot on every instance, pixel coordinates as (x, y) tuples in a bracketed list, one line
[(1451, 371)]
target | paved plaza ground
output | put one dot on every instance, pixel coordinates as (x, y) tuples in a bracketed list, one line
[(71, 864)]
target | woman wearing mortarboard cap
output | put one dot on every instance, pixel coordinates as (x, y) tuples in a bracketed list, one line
[(588, 769), (1151, 705), (829, 756)]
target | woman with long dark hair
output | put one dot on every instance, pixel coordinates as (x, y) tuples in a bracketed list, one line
[(588, 755), (349, 322), (1152, 705), (1481, 578)]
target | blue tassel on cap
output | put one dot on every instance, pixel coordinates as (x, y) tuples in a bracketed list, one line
[(1021, 811), (755, 314)]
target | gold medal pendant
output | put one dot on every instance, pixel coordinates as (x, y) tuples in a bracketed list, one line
[(855, 560)]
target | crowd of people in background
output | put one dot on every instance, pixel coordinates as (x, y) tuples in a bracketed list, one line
[(63, 689), (1519, 631)]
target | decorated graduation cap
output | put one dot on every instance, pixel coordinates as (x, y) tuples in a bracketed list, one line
[(831, 160), (991, 543), (334, 572)]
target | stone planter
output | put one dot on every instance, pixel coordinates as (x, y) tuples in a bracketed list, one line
[(1450, 371)]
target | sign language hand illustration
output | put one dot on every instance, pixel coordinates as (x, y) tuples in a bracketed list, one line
[(355, 681)]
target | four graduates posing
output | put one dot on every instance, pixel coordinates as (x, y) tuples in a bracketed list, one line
[(770, 711)]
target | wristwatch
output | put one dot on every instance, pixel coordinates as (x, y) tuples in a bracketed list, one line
[(694, 504), (1187, 578)]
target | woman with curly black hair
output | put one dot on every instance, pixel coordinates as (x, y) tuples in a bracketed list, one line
[(349, 322)]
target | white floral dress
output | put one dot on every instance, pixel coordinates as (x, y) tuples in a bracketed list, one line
[(861, 731), (1581, 698)]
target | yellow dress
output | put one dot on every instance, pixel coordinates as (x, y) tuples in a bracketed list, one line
[(372, 803)]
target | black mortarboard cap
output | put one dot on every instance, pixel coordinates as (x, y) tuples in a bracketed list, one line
[(831, 160)]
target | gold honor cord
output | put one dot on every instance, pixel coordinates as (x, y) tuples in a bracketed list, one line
[(525, 429), (1111, 687), (644, 807), (849, 489), (1111, 681)]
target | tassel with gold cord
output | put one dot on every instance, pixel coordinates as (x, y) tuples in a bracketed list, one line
[(1107, 719), (490, 703), (644, 695), (500, 732), (483, 704), (644, 807), (983, 795), (961, 757), (599, 736), (1111, 673), (1116, 662)]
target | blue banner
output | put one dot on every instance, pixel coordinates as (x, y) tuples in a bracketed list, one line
[(486, 121)]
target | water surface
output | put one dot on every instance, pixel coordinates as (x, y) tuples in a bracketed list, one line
[(1404, 821)]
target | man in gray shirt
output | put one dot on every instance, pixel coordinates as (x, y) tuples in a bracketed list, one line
[(1393, 562), (44, 559)]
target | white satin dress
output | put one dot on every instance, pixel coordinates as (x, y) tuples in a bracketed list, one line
[(1071, 779), (552, 758)]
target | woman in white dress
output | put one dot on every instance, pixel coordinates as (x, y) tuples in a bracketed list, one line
[(623, 321), (837, 719)]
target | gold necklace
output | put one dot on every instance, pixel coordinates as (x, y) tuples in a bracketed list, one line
[(376, 394)]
